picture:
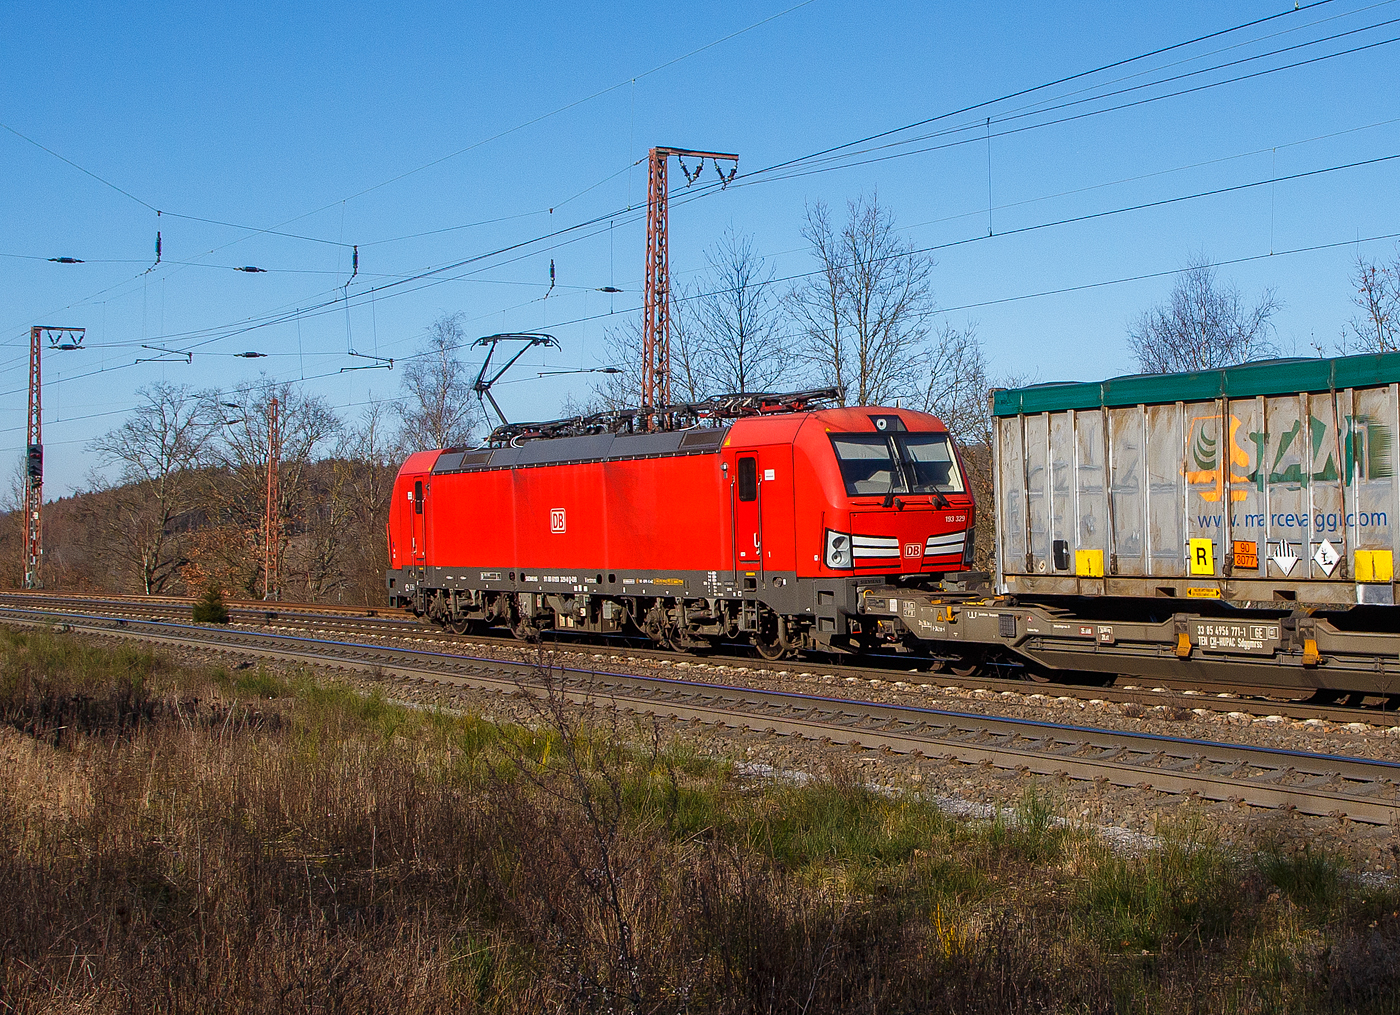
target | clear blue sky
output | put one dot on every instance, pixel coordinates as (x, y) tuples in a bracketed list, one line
[(259, 115)]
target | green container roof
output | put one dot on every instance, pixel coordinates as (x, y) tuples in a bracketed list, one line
[(1267, 377)]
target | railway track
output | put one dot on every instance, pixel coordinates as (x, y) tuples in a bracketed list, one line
[(1361, 789), (391, 623)]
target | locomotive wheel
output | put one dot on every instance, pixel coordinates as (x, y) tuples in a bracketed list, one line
[(771, 639), (769, 650), (691, 644), (656, 626)]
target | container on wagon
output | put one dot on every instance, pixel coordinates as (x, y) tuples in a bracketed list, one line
[(1266, 482)]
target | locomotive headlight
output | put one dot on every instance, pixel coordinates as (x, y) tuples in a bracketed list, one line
[(838, 549)]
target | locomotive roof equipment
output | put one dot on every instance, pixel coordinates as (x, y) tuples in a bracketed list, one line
[(482, 384), (681, 416)]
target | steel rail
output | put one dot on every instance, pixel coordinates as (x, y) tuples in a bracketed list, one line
[(1185, 695), (1361, 789)]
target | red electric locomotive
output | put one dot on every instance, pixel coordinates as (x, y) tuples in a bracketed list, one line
[(762, 525)]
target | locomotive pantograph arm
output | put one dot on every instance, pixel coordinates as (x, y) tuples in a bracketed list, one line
[(482, 385)]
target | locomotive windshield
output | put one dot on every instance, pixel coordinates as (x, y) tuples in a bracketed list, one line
[(875, 464)]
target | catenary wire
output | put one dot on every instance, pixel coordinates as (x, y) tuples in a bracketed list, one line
[(458, 264), (1312, 248), (330, 305), (1078, 75)]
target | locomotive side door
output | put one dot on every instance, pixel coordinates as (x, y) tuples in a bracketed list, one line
[(418, 527), (748, 520)]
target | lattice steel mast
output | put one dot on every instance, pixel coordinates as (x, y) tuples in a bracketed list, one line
[(59, 338), (273, 523), (656, 324), (34, 469)]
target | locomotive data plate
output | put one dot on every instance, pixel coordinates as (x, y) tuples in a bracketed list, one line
[(1234, 636)]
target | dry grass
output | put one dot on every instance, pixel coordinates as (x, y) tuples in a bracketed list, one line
[(176, 839)]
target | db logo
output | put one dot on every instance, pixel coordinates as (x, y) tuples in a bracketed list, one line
[(912, 549), (556, 519)]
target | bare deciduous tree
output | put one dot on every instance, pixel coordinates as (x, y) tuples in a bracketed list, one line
[(622, 347), (352, 544), (436, 409), (734, 322), (12, 494), (157, 453), (863, 313), (1204, 324), (958, 384), (1377, 327), (236, 489)]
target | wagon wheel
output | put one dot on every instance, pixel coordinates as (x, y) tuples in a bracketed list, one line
[(964, 667), (460, 626), (523, 630)]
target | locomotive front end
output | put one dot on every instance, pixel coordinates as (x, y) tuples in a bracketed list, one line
[(897, 501)]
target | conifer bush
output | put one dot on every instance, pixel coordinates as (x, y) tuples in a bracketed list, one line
[(209, 608)]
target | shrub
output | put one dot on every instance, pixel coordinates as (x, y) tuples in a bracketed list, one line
[(1184, 890), (209, 608), (1309, 878)]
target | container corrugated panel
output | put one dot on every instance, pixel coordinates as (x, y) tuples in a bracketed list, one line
[(1269, 481)]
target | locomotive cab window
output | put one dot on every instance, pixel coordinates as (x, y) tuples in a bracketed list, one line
[(418, 497), (748, 479), (867, 465), (929, 459), (877, 464)]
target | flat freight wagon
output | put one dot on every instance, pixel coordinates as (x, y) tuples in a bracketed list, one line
[(1271, 482)]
